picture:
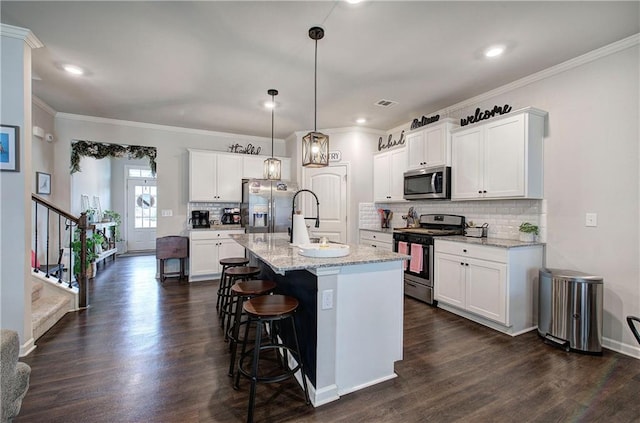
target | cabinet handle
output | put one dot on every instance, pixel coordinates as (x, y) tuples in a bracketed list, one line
[(484, 192), (410, 284), (374, 246), (466, 264), (464, 251), (479, 191), (461, 264)]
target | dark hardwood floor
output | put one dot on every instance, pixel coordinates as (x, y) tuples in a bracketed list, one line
[(151, 352)]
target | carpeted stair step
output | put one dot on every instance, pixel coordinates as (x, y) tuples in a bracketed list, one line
[(46, 311), (36, 291)]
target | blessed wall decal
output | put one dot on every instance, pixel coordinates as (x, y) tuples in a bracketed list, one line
[(390, 142), (248, 149), (478, 115), (417, 123)]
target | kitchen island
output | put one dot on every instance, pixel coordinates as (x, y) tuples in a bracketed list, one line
[(350, 318)]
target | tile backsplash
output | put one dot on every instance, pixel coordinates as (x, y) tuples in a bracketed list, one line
[(503, 216)]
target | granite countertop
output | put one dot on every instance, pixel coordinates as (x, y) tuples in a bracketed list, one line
[(382, 230), (275, 251), (491, 242), (218, 228)]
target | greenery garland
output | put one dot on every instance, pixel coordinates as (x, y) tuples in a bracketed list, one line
[(99, 150)]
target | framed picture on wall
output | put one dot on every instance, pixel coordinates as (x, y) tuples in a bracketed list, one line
[(43, 183), (9, 148)]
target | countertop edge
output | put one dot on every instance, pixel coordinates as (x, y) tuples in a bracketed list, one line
[(490, 242)]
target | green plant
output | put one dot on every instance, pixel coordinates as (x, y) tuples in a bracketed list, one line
[(91, 255), (114, 217), (528, 228)]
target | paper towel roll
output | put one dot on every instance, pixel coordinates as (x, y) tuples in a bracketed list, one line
[(300, 233)]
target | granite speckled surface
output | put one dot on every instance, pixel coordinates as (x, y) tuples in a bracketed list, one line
[(275, 251), (491, 242)]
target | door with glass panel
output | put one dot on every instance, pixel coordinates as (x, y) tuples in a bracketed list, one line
[(142, 214)]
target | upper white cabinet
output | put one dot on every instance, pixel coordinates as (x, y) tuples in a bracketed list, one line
[(431, 145), (388, 175), (253, 167), (502, 158), (215, 176)]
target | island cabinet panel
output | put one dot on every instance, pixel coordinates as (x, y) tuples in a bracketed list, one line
[(214, 177), (491, 285), (499, 159)]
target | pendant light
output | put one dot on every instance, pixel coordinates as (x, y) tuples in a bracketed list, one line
[(272, 166), (315, 145)]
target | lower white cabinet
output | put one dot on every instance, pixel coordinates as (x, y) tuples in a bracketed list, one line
[(494, 286), (206, 248), (376, 239)]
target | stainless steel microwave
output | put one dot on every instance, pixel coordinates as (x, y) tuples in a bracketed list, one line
[(427, 183)]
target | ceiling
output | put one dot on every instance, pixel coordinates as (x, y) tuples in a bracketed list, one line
[(208, 64)]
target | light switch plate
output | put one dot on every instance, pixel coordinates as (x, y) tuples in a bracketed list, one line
[(591, 220), (167, 213)]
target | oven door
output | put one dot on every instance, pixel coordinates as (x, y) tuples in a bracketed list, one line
[(427, 183)]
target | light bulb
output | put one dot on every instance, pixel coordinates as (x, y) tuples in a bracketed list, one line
[(315, 149)]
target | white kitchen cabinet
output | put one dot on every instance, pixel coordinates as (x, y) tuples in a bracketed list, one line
[(215, 176), (494, 286), (382, 240), (253, 167), (206, 248), (502, 158), (430, 145), (388, 175)]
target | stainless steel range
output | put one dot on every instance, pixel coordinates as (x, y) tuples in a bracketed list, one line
[(418, 243)]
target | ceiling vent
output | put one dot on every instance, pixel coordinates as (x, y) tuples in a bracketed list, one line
[(385, 103)]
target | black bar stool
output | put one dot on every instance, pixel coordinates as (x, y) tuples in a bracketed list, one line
[(274, 310), (223, 288), (240, 292), (233, 275)]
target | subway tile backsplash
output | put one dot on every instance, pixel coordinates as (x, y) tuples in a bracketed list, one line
[(503, 216)]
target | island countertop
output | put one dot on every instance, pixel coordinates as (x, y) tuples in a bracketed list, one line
[(274, 249)]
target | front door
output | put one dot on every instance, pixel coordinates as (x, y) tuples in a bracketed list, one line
[(142, 215), (330, 185)]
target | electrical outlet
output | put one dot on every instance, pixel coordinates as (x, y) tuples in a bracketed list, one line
[(327, 299), (591, 219)]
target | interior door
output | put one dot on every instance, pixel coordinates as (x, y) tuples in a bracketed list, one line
[(330, 185), (142, 214)]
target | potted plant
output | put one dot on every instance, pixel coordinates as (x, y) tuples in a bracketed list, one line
[(528, 231), (114, 216), (94, 244)]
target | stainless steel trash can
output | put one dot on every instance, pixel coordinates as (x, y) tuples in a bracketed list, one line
[(570, 309)]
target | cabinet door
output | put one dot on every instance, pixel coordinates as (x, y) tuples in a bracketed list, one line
[(467, 162), (486, 289), (253, 166), (449, 279), (416, 150), (202, 176), (504, 158), (398, 161), (381, 181), (203, 257), (229, 248), (229, 178), (435, 146)]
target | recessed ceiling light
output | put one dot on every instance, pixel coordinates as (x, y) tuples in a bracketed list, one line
[(74, 70), (361, 120), (494, 51), (353, 1)]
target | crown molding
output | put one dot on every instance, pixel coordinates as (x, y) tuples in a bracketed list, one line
[(20, 34), (591, 56), (178, 129), (36, 101)]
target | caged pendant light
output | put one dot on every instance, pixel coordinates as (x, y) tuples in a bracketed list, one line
[(315, 145), (272, 166)]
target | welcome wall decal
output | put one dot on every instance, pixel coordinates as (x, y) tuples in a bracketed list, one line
[(478, 115), (391, 142)]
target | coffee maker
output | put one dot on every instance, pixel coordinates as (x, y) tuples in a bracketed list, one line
[(200, 219), (231, 216)]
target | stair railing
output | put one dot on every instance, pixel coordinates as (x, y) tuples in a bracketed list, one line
[(71, 223)]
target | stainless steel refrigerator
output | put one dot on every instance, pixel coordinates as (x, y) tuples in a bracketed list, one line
[(266, 205)]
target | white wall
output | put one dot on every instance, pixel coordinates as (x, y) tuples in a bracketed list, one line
[(172, 157), (591, 165)]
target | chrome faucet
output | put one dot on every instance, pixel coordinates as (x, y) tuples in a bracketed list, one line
[(293, 210)]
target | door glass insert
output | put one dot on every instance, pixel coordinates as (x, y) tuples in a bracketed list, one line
[(145, 208)]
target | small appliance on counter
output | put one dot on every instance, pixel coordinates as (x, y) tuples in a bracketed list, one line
[(200, 219), (231, 216)]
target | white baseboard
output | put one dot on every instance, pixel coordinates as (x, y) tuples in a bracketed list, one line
[(630, 350)]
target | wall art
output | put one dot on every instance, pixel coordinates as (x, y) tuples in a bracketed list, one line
[(248, 149), (478, 115), (9, 148), (417, 123), (43, 183), (391, 142)]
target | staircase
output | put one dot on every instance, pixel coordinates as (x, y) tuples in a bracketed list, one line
[(50, 301)]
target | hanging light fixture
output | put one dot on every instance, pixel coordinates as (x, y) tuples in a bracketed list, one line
[(272, 166), (315, 145)]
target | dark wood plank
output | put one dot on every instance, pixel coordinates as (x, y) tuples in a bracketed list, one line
[(151, 352)]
